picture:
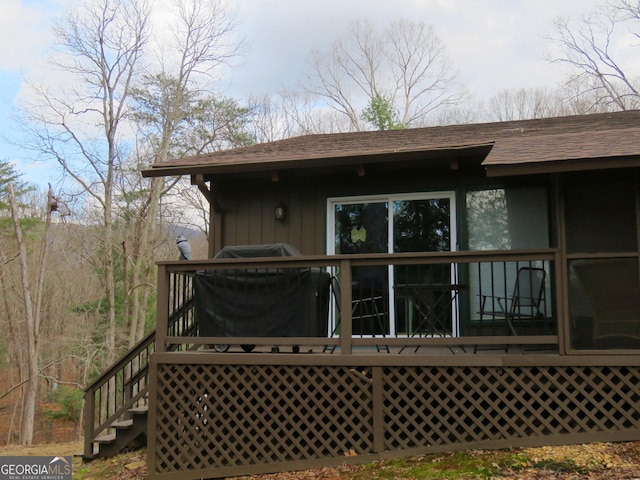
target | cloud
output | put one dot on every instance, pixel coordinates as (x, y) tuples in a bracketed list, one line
[(23, 30), (495, 44)]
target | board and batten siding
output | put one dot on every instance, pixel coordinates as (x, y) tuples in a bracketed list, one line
[(248, 217)]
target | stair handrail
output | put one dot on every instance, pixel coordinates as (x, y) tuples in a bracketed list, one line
[(93, 428)]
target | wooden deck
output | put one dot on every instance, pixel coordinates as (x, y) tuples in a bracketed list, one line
[(215, 415), (274, 403)]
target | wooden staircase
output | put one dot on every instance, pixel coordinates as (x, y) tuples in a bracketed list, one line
[(116, 403), (128, 434)]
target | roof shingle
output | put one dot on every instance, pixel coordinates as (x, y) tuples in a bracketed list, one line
[(515, 143)]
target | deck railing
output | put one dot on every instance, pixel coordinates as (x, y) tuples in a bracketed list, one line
[(380, 383), (395, 303), (124, 385), (118, 389)]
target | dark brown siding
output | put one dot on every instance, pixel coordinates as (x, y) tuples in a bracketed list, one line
[(248, 215), (248, 205)]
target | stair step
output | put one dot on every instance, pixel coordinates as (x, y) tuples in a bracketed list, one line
[(106, 438), (123, 424), (139, 410)]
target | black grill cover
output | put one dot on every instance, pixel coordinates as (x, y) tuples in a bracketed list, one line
[(253, 251), (274, 302)]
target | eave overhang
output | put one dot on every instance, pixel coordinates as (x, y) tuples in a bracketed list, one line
[(587, 142), (563, 166), (271, 164), (568, 152)]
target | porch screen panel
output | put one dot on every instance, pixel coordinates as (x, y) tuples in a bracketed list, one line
[(604, 303), (604, 286), (504, 219), (600, 216)]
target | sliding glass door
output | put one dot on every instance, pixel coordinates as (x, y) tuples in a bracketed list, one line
[(362, 226), (393, 224)]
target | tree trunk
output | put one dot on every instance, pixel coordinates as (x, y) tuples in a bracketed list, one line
[(31, 389), (150, 228)]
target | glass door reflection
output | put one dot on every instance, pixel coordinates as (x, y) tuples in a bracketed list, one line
[(364, 228), (423, 293)]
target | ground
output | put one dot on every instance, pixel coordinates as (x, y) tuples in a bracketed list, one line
[(600, 461)]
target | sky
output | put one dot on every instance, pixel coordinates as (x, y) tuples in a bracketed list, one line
[(494, 45)]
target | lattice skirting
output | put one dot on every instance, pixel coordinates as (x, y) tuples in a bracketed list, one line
[(223, 420)]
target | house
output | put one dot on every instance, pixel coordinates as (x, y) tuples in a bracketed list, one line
[(492, 299)]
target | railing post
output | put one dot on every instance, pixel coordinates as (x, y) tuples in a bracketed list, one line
[(89, 421), (162, 309), (346, 324), (561, 303)]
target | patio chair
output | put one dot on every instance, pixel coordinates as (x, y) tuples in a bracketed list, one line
[(524, 305), (363, 308)]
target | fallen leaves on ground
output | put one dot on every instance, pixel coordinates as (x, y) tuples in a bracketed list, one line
[(596, 461)]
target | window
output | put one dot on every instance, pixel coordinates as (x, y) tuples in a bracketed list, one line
[(392, 224), (504, 219), (507, 218)]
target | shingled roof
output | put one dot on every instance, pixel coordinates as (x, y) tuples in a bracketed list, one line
[(542, 142)]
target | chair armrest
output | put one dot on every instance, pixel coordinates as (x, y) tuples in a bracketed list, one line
[(494, 299), (497, 297)]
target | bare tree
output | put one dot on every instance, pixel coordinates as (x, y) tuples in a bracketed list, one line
[(463, 114), (10, 311), (521, 104), (290, 113), (581, 99), (168, 106), (32, 310), (406, 65), (591, 47), (269, 120), (82, 126)]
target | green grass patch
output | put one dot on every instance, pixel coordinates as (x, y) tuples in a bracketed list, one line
[(565, 466), (457, 465)]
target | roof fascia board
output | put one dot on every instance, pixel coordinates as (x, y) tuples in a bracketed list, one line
[(561, 166)]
